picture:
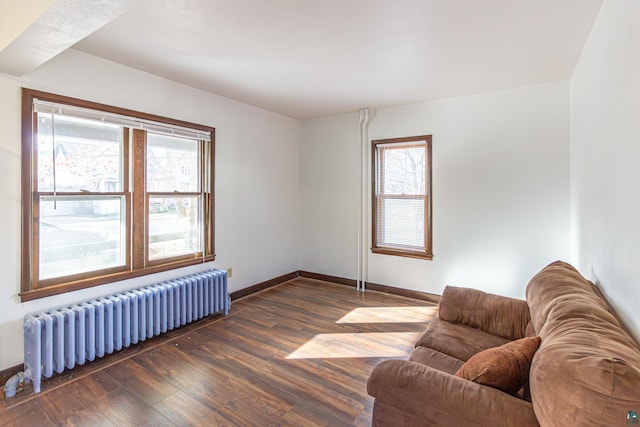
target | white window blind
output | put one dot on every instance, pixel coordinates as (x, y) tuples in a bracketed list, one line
[(41, 106)]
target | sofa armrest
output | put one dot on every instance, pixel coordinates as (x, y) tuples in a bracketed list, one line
[(494, 314), (433, 397)]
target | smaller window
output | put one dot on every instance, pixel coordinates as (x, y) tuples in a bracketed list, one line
[(402, 196)]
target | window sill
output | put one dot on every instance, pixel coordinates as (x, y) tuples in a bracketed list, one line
[(403, 253), (106, 279)]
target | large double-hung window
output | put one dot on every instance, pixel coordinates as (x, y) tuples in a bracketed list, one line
[(110, 194)]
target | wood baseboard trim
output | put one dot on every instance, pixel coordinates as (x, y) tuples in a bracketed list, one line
[(328, 278), (7, 373), (263, 285), (424, 296)]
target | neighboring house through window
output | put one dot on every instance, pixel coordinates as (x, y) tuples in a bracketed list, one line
[(402, 197), (110, 194)]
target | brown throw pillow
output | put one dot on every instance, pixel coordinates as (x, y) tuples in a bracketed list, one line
[(505, 368)]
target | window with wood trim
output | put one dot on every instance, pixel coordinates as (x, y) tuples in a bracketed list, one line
[(402, 196), (110, 194)]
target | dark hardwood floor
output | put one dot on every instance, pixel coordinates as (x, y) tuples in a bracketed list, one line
[(297, 354)]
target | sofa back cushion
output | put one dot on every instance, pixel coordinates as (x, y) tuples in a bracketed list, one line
[(494, 314), (587, 369)]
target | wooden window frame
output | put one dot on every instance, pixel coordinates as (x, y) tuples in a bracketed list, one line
[(378, 199), (136, 215)]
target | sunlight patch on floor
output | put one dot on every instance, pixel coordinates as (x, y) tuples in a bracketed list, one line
[(389, 315), (352, 345)]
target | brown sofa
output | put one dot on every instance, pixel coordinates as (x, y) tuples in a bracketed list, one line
[(586, 371)]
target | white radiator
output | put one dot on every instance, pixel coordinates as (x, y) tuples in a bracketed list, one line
[(63, 337)]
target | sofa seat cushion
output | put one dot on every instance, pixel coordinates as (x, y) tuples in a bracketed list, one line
[(587, 369), (505, 368), (435, 359), (458, 341)]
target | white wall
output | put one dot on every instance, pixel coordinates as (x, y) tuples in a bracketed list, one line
[(257, 178), (605, 157), (328, 183), (500, 190)]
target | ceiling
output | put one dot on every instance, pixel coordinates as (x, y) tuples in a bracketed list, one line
[(310, 58)]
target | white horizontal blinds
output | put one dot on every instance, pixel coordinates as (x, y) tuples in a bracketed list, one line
[(41, 106), (401, 196)]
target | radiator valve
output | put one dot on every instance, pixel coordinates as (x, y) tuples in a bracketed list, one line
[(14, 384)]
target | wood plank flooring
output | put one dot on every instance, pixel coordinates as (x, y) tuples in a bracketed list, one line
[(298, 354)]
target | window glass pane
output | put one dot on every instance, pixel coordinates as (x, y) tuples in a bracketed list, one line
[(80, 234), (403, 223), (87, 154), (404, 170), (174, 226), (172, 164)]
